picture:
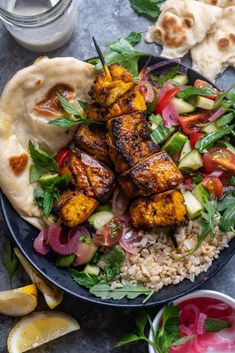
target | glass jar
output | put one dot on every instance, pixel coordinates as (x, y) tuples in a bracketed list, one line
[(44, 31)]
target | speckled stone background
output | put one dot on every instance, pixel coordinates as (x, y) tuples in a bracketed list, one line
[(100, 327)]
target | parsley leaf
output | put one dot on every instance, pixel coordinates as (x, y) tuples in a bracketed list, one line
[(169, 76), (146, 8), (191, 91), (84, 279), (10, 261), (113, 261), (43, 163), (216, 325)]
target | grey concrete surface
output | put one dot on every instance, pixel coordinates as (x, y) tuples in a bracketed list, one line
[(100, 327)]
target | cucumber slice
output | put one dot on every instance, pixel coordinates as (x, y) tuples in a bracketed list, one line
[(193, 206), (48, 179), (185, 150), (181, 79), (181, 106), (211, 127), (65, 261), (225, 144), (175, 143), (224, 120), (204, 103), (161, 134), (200, 192), (92, 269), (99, 219), (191, 162)]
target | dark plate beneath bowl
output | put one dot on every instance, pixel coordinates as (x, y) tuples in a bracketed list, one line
[(23, 233)]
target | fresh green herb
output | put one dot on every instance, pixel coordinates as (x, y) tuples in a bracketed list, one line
[(122, 52), (206, 224), (129, 290), (175, 83), (226, 104), (113, 261), (182, 341), (160, 132), (151, 106), (85, 239), (227, 206), (191, 91), (197, 179), (65, 261), (84, 279), (232, 181), (43, 163), (216, 325), (10, 261), (83, 104), (134, 38), (207, 141), (148, 8), (169, 76)]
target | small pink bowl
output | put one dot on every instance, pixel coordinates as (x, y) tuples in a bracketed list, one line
[(197, 294)]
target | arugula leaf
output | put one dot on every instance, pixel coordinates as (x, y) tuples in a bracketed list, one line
[(129, 290), (84, 279), (191, 91), (134, 38), (228, 219), (113, 260), (43, 163), (147, 8), (216, 325), (207, 141), (10, 261), (169, 76)]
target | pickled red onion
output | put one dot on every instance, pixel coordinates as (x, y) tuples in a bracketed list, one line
[(129, 237), (200, 329), (170, 116), (40, 243), (217, 114), (119, 205)]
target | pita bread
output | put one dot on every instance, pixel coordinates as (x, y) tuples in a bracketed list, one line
[(181, 25), (217, 51), (220, 3), (21, 122)]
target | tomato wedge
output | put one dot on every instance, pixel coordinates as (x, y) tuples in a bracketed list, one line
[(109, 235), (191, 123), (194, 137), (213, 185), (167, 97), (219, 158), (202, 84), (61, 156)]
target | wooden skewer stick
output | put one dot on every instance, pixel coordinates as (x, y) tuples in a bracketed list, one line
[(141, 73), (105, 66)]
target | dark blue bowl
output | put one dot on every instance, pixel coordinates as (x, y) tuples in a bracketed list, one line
[(23, 234)]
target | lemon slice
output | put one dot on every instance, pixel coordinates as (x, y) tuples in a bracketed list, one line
[(38, 328), (18, 302), (53, 296)]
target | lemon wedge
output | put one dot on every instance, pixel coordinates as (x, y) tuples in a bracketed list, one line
[(53, 296), (38, 328), (18, 302)]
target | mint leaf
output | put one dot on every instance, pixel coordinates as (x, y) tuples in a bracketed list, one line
[(9, 260), (147, 8), (182, 341), (47, 202), (83, 104), (84, 279), (208, 141), (134, 38), (69, 107), (64, 122), (215, 325), (191, 91), (169, 76)]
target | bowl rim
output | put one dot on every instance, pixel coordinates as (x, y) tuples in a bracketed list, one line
[(196, 294)]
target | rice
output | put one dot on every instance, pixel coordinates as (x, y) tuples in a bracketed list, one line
[(156, 264)]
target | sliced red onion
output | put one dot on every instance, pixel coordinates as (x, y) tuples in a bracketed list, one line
[(186, 330), (217, 114), (159, 65), (229, 188), (220, 307), (170, 116), (200, 329), (149, 93), (216, 173), (186, 315), (84, 253), (40, 243), (129, 237), (55, 243), (119, 205), (197, 346)]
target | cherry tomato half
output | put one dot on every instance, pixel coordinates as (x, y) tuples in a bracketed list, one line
[(167, 97), (213, 185), (219, 158), (191, 123), (61, 156), (194, 137), (109, 235), (202, 84)]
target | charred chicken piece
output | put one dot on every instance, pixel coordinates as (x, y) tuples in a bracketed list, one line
[(92, 177), (92, 139), (96, 113), (105, 91), (74, 207), (129, 140), (159, 210), (154, 174)]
